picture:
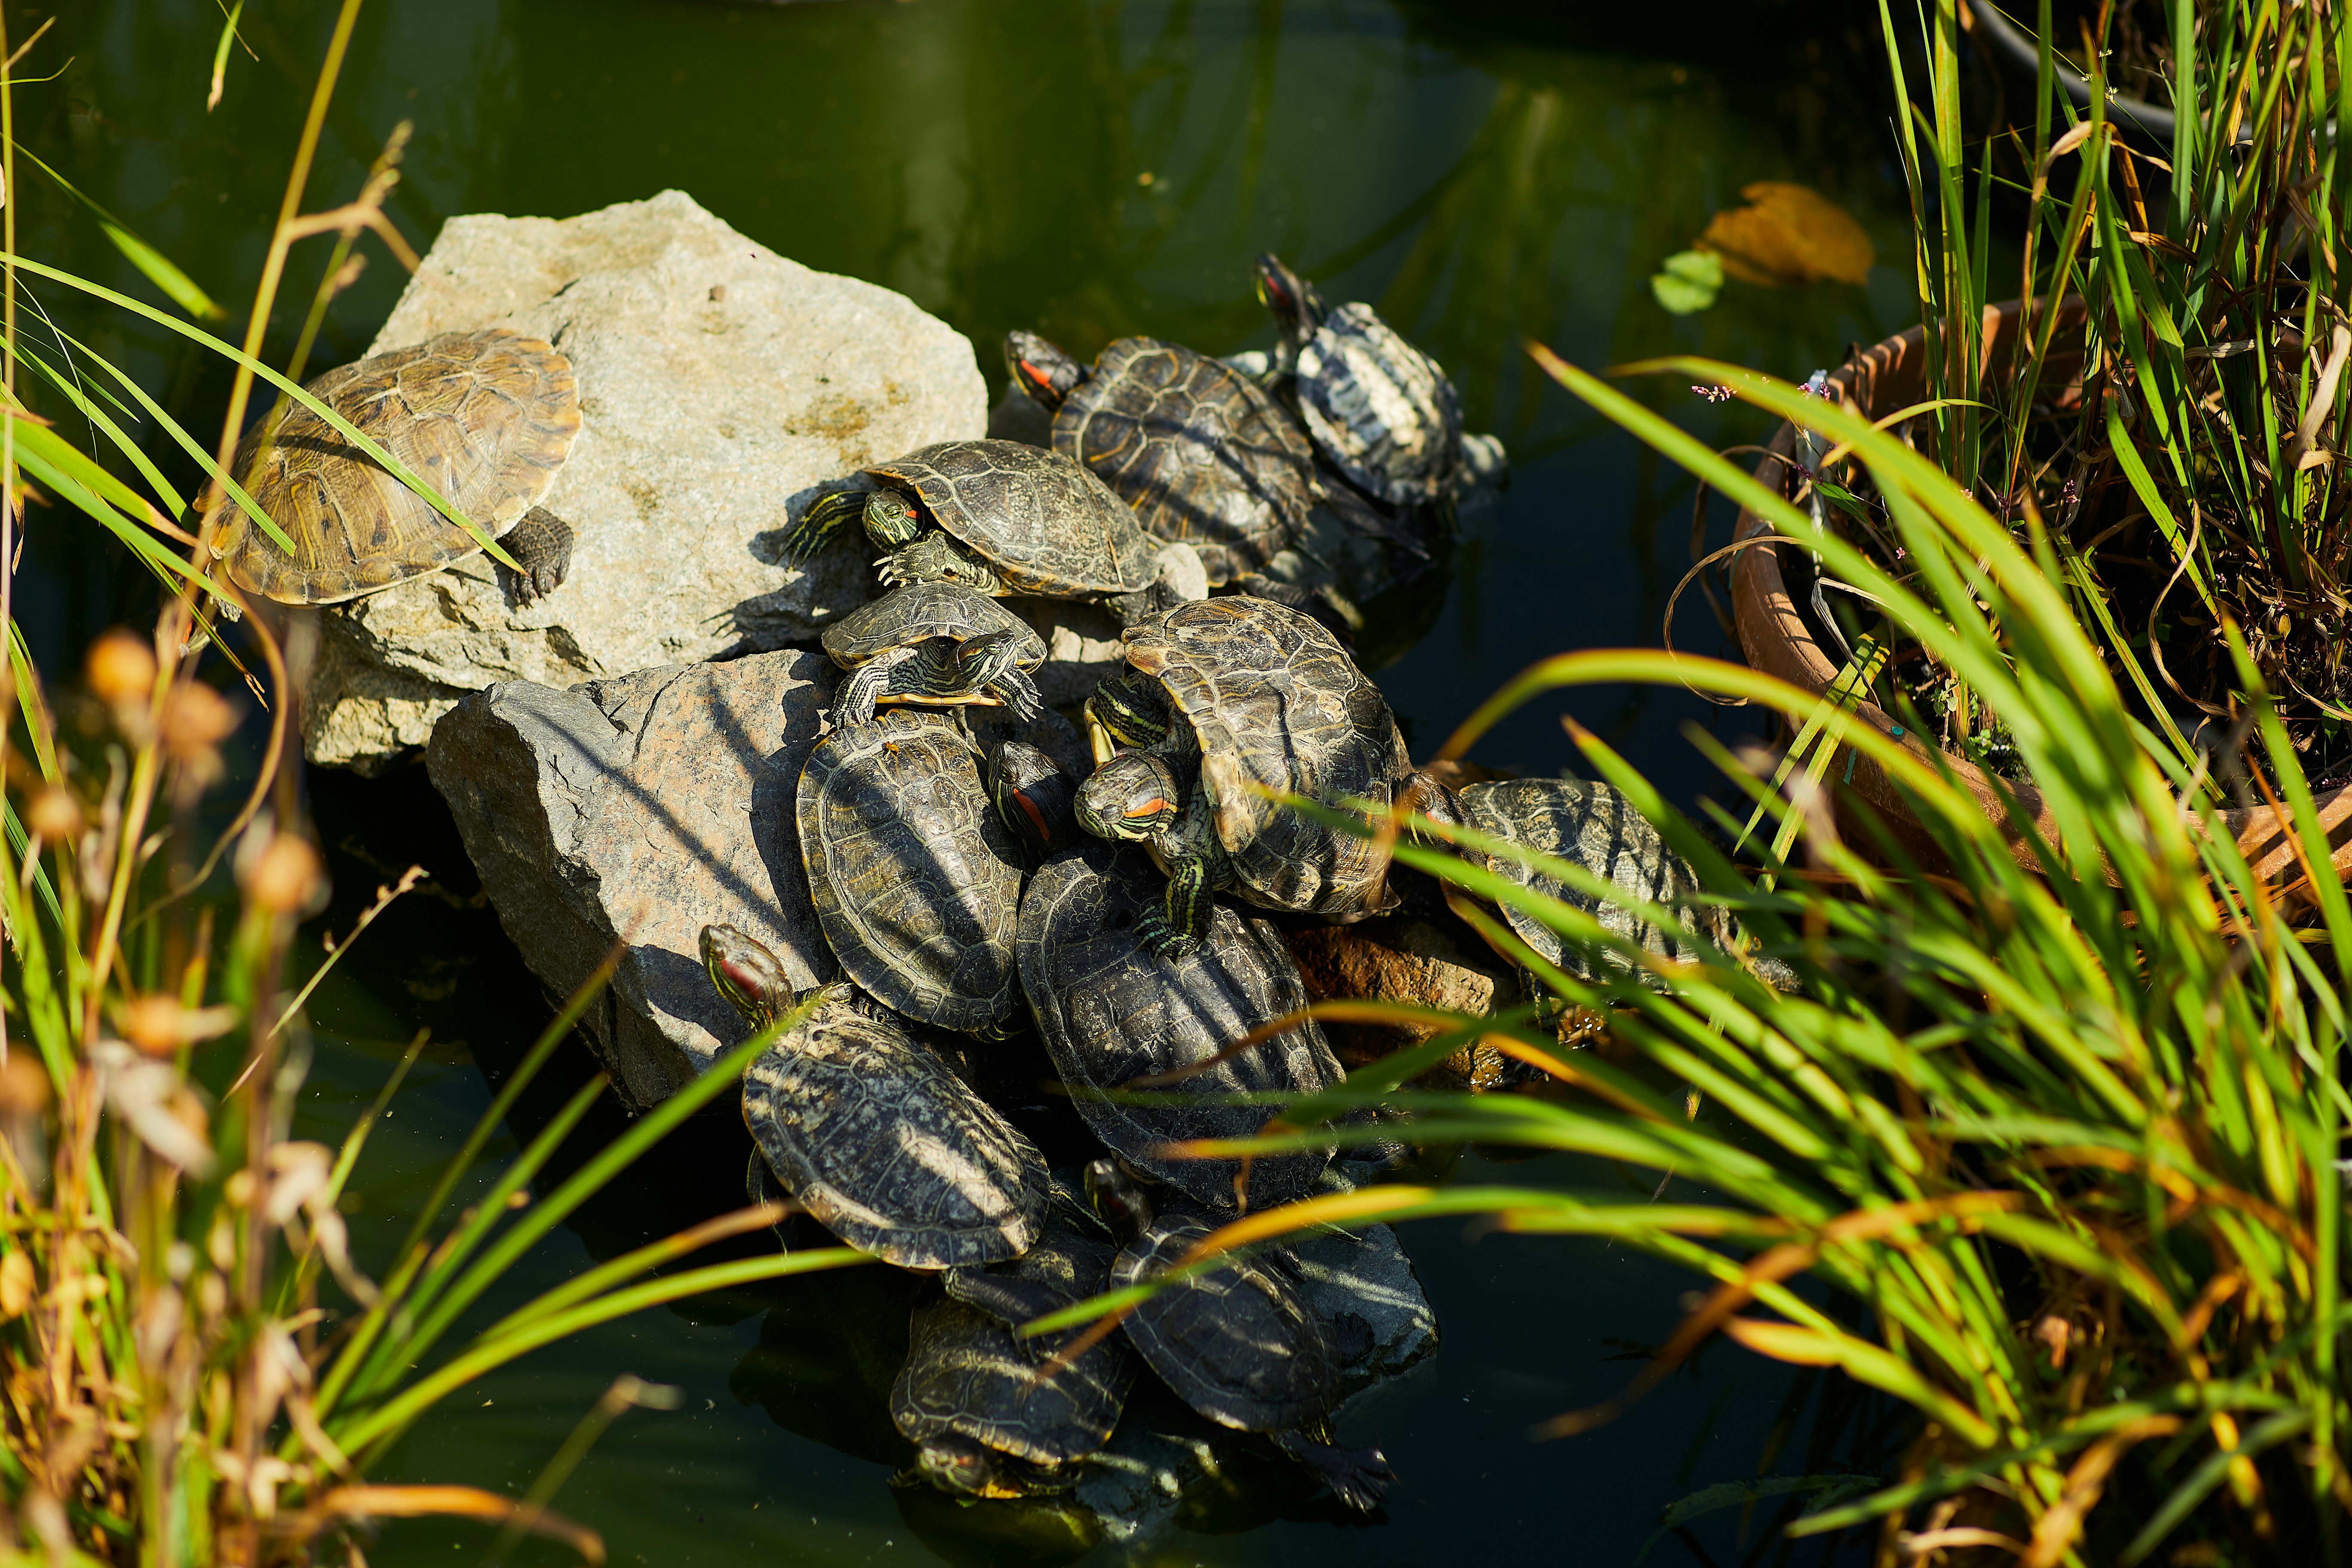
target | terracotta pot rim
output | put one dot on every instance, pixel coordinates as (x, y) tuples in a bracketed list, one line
[(1775, 639)]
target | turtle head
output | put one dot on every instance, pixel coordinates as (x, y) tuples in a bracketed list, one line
[(1133, 713), (1119, 1198), (1032, 793), (1132, 797), (1297, 309), (891, 520), (957, 1464), (989, 657), (748, 974), (1041, 369)]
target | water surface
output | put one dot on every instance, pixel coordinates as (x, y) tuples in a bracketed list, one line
[(1086, 170)]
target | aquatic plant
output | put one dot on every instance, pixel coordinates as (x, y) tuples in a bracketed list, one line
[(2170, 410), (196, 1369), (2049, 1159)]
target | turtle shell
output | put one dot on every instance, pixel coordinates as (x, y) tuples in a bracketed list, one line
[(1110, 1011), (1202, 453), (918, 611), (1379, 408), (1238, 1344), (1045, 522), (486, 419), (1275, 701), (887, 1147), (1593, 826), (966, 1373), (916, 880)]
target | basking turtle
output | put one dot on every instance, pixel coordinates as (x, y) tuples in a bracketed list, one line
[(1266, 700), (1001, 516), (1111, 1012), (871, 1133), (990, 1413), (486, 419), (1590, 825), (917, 882), (1379, 409), (1202, 453), (1032, 793), (1238, 1342), (935, 644)]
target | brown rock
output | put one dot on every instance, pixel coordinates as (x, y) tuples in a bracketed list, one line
[(1411, 959)]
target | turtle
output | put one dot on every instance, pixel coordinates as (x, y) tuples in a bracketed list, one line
[(1236, 696), (870, 1131), (916, 880), (484, 417), (1200, 450), (997, 1415), (1032, 793), (1112, 1012), (1589, 824), (1001, 516), (1237, 1342), (935, 644), (1379, 409)]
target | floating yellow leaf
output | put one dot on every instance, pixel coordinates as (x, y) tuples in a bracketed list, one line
[(1788, 235)]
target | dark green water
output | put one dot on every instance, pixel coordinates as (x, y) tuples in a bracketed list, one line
[(1086, 170)]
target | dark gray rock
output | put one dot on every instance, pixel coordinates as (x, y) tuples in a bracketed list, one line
[(639, 810)]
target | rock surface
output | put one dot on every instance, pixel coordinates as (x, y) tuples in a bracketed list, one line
[(639, 810), (721, 387)]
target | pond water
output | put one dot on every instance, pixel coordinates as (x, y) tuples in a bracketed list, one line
[(1085, 169)]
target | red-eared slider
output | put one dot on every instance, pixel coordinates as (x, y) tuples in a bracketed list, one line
[(990, 1412), (1032, 793), (1265, 697), (1202, 453), (871, 1133), (1590, 825), (935, 644), (1238, 1342), (917, 882), (1379, 409), (1001, 516), (1110, 1011), (486, 419)]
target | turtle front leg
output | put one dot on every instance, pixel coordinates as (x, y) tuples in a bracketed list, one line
[(854, 700), (936, 558), (541, 545), (1018, 692), (819, 523), (1177, 928)]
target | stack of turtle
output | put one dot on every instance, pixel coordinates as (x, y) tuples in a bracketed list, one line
[(972, 894)]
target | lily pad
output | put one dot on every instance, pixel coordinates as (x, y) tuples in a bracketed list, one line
[(1786, 235), (1688, 281)]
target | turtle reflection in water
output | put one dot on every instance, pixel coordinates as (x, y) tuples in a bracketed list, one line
[(870, 1131), (995, 1415), (1238, 1342), (486, 419)]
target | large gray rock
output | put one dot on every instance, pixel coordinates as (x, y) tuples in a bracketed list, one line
[(721, 385), (639, 810)]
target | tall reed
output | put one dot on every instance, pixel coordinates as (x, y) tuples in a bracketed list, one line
[(2049, 1159), (196, 1370)]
